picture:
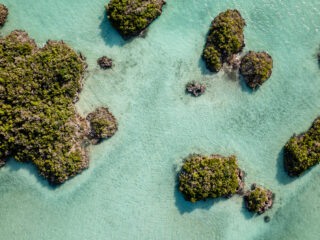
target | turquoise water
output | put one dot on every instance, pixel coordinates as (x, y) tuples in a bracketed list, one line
[(129, 191)]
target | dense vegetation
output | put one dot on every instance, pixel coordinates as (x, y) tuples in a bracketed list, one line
[(303, 152), (103, 124), (256, 68), (211, 176), (38, 119), (131, 17), (225, 38), (258, 200)]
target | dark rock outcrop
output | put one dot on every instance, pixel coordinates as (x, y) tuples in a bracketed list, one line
[(3, 14), (258, 200), (267, 219), (105, 62), (196, 89), (256, 68), (131, 18)]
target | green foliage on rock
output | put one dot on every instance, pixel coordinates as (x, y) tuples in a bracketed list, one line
[(303, 152), (256, 68), (225, 38), (38, 120), (103, 124), (258, 200), (212, 58), (131, 17), (211, 176)]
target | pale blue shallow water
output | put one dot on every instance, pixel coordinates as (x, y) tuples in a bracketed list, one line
[(129, 191)]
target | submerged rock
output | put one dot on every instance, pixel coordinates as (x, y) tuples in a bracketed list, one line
[(3, 14), (103, 124), (267, 219), (225, 39), (258, 200), (131, 18), (256, 68), (211, 176), (303, 152), (105, 62), (196, 89)]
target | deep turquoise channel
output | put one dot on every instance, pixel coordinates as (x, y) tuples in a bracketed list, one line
[(129, 191)]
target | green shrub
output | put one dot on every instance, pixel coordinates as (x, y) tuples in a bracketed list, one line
[(212, 58)]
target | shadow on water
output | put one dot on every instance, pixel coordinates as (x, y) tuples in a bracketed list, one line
[(244, 86), (203, 67), (109, 34), (282, 176), (15, 166), (187, 207), (248, 215)]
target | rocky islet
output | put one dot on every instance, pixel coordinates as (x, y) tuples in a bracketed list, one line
[(196, 89), (103, 124), (213, 176), (303, 151), (258, 200), (131, 17), (225, 38), (39, 121), (105, 62), (256, 68)]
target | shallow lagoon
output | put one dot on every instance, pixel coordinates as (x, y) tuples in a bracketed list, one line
[(129, 191)]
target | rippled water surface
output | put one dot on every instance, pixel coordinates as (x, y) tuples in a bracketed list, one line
[(129, 191)]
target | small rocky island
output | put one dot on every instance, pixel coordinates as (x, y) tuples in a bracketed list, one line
[(258, 200), (196, 89), (131, 18), (105, 62), (303, 152), (225, 38), (39, 121), (256, 68), (103, 124), (3, 14), (211, 176)]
